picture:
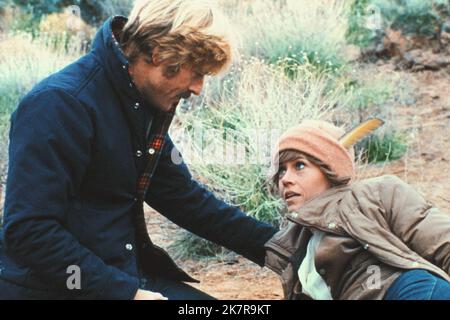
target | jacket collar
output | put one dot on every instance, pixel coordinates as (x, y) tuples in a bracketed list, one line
[(321, 212), (107, 51)]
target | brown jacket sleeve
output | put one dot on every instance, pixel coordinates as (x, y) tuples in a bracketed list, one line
[(420, 225)]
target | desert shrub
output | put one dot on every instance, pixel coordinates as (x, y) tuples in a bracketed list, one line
[(423, 18), (20, 20), (362, 23), (374, 94), (190, 246), (113, 7), (4, 7), (412, 17), (65, 30), (302, 31), (92, 11), (41, 7), (382, 147)]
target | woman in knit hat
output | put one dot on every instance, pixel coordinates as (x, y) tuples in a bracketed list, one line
[(345, 239)]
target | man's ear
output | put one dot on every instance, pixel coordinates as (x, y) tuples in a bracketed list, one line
[(155, 57)]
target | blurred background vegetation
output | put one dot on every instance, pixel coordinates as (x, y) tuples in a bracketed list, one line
[(299, 59)]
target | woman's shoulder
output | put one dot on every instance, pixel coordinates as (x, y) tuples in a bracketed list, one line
[(384, 181), (384, 191)]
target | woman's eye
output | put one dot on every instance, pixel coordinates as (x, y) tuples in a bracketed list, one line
[(281, 172), (300, 165)]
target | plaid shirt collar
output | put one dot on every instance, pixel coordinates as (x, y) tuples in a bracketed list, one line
[(155, 142)]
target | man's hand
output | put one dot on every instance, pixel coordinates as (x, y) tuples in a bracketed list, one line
[(148, 295)]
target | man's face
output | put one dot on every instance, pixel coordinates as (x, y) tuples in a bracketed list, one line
[(162, 88)]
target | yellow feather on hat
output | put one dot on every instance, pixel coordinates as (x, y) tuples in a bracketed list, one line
[(360, 132)]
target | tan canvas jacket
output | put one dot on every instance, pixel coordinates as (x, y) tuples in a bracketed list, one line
[(375, 229)]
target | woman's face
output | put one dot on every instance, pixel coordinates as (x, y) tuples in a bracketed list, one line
[(299, 180)]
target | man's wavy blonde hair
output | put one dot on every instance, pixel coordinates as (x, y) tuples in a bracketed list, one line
[(186, 32)]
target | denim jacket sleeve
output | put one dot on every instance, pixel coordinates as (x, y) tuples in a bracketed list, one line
[(184, 201), (50, 145)]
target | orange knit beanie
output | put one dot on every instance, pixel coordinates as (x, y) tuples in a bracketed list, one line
[(320, 139)]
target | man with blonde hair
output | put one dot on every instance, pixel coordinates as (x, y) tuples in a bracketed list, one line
[(89, 145)]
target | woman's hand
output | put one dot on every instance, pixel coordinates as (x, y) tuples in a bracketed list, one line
[(148, 295)]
